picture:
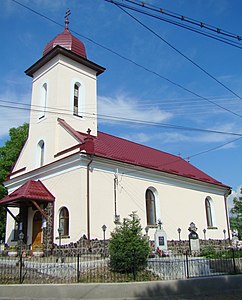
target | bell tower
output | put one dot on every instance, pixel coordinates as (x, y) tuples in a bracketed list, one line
[(64, 86)]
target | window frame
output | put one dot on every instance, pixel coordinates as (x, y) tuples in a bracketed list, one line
[(151, 214), (209, 212), (64, 221), (43, 100)]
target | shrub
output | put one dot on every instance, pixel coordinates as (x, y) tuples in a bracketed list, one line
[(128, 249)]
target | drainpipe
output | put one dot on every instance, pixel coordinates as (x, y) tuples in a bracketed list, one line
[(226, 210), (88, 200)]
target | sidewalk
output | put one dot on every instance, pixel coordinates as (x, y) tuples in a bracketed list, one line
[(221, 288)]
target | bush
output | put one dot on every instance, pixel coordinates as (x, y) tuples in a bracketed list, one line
[(128, 249)]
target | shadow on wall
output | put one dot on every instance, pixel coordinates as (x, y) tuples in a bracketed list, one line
[(224, 287)]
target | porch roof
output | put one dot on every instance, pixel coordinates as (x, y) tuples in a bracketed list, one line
[(25, 195)]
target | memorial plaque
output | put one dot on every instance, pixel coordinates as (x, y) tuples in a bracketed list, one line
[(194, 245), (161, 240)]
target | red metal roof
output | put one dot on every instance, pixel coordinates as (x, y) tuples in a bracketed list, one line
[(31, 190), (115, 148), (67, 41)]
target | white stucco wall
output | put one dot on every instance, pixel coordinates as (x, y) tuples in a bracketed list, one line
[(60, 75), (180, 201)]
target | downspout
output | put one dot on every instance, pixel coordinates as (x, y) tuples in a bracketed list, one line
[(226, 210), (88, 200)]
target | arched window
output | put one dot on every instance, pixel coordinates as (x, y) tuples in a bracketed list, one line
[(41, 153), (208, 208), (76, 99), (150, 207), (43, 101), (64, 221)]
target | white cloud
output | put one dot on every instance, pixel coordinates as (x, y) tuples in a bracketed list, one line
[(234, 194), (13, 113), (214, 138), (122, 107)]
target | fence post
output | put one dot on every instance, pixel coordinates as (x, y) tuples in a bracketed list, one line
[(233, 257), (187, 264), (78, 267), (21, 268)]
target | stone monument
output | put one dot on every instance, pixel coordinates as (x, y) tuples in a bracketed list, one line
[(235, 239), (160, 238), (193, 238)]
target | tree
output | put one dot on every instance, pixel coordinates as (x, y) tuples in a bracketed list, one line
[(236, 218), (128, 249), (8, 156)]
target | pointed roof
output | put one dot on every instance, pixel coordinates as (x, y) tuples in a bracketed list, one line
[(67, 41), (31, 190)]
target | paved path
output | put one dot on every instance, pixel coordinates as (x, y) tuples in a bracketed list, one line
[(210, 288)]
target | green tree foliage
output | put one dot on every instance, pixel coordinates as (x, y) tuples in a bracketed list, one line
[(236, 218), (8, 156), (128, 249)]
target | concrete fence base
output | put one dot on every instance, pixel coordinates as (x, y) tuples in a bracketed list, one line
[(222, 287)]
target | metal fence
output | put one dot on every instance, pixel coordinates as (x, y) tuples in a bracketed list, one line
[(90, 267)]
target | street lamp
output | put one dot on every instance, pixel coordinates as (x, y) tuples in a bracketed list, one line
[(204, 233), (179, 233), (224, 231), (104, 228)]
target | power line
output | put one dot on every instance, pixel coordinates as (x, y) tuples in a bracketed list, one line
[(52, 110), (131, 61), (180, 19), (179, 52)]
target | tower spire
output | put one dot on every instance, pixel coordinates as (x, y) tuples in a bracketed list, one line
[(68, 12)]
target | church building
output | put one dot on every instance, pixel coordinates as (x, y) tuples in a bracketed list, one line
[(71, 179)]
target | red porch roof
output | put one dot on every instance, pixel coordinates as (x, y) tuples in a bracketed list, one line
[(31, 190)]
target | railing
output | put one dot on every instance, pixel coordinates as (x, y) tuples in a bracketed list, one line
[(90, 267)]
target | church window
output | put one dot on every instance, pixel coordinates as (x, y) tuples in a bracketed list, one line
[(64, 221), (43, 101), (41, 148), (76, 99), (208, 208), (150, 207)]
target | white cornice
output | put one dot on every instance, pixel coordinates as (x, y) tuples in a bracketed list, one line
[(81, 159)]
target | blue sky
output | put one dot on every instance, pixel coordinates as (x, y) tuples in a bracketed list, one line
[(128, 91)]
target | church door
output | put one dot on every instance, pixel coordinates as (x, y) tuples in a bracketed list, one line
[(37, 230)]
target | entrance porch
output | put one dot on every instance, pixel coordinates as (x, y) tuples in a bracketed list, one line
[(31, 207)]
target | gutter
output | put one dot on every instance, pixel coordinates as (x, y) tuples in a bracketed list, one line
[(88, 199), (226, 211)]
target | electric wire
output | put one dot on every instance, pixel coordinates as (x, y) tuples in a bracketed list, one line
[(132, 61), (180, 53), (186, 19), (181, 24), (123, 119), (49, 19)]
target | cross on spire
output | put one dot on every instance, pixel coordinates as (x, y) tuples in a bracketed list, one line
[(68, 12)]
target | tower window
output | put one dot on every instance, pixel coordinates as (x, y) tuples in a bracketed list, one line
[(76, 99), (43, 101), (41, 148)]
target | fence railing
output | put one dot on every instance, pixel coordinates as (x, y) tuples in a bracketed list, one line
[(90, 267)]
